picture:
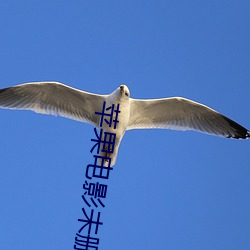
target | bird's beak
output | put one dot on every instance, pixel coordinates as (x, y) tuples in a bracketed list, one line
[(122, 88)]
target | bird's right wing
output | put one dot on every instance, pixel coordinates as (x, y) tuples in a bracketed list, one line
[(182, 114), (53, 98)]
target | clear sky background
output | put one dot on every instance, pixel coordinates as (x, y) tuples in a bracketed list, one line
[(169, 189)]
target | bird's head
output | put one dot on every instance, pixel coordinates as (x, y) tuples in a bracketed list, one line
[(121, 94), (124, 91)]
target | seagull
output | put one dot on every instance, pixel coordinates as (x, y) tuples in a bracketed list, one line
[(176, 113)]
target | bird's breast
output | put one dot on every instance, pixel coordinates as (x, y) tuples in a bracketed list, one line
[(122, 119)]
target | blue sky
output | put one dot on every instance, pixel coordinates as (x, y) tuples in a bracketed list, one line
[(169, 189)]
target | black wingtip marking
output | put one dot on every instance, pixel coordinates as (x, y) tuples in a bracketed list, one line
[(248, 134), (239, 131)]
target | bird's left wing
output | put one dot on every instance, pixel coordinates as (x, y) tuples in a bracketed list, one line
[(53, 98), (182, 114)]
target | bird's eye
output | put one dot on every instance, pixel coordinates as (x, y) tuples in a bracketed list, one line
[(126, 93)]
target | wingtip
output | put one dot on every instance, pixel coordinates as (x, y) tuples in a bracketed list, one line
[(248, 135), (241, 135), (239, 131)]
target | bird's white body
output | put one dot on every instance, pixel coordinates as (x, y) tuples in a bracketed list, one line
[(123, 118), (167, 113)]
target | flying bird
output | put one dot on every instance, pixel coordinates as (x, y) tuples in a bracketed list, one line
[(175, 113)]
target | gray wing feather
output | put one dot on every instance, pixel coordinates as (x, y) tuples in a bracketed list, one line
[(53, 98), (182, 114)]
